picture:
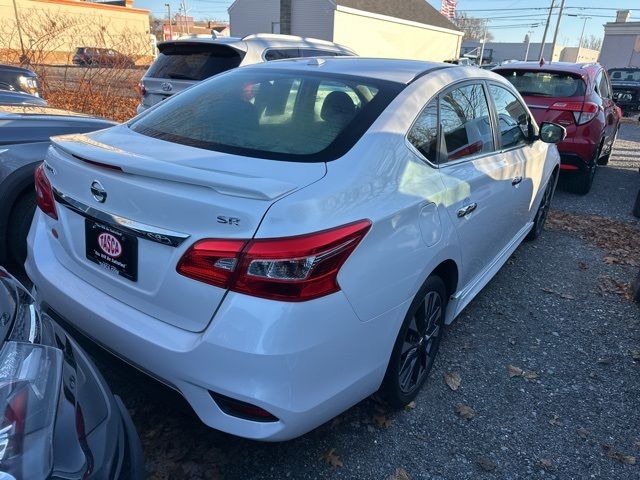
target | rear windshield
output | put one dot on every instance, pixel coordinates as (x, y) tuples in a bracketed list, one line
[(193, 61), (271, 113), (625, 75), (545, 84)]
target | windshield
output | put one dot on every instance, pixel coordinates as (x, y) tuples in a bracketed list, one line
[(271, 113), (545, 84), (623, 75), (193, 61)]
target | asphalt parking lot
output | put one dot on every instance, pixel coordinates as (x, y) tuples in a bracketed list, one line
[(538, 378)]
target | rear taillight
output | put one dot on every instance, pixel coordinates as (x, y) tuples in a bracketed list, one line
[(141, 89), (583, 112), (44, 193), (292, 269)]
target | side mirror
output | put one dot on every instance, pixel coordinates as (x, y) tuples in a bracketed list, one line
[(552, 132)]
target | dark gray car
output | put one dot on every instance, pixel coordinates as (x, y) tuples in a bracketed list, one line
[(18, 79), (60, 418), (24, 140), (8, 97)]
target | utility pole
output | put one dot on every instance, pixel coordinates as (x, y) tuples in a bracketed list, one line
[(526, 54), (168, 5), (582, 34), (555, 34), (484, 40), (15, 10), (546, 29)]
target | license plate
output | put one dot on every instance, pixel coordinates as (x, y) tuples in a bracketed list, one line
[(112, 249)]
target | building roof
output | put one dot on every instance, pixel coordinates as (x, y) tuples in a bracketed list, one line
[(411, 10)]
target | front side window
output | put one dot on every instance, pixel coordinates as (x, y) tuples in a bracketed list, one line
[(513, 120), (465, 122), (424, 133), (270, 113)]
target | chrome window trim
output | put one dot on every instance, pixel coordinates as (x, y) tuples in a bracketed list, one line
[(140, 230)]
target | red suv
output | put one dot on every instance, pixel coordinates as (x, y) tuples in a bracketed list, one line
[(578, 97)]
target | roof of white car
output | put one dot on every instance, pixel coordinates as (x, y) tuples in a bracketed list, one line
[(401, 71), (264, 40)]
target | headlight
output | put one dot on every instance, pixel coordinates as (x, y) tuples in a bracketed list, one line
[(29, 85)]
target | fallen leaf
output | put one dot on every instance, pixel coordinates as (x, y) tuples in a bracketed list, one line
[(453, 380), (566, 296), (545, 464), (531, 375), (635, 354), (465, 411), (611, 260), (620, 457), (331, 457), (582, 266), (382, 421), (514, 371), (636, 445), (583, 433), (410, 406), (555, 420), (604, 361), (400, 474), (486, 464)]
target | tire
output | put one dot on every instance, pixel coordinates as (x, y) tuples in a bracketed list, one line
[(543, 209), (605, 160), (19, 224), (418, 341), (582, 182)]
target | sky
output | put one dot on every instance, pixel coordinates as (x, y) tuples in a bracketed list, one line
[(508, 20)]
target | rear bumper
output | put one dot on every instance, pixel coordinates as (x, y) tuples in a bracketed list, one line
[(302, 362)]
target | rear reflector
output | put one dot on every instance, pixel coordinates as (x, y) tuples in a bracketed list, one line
[(44, 193), (568, 167), (292, 269), (244, 410), (583, 112)]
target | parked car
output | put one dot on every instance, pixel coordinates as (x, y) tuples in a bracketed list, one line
[(626, 88), (101, 57), (9, 97), (18, 79), (184, 62), (60, 418), (284, 239), (24, 140), (578, 97)]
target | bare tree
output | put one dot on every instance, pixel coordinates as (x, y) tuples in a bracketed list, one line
[(592, 42), (473, 28)]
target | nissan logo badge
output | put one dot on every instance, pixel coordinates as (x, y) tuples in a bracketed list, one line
[(98, 192)]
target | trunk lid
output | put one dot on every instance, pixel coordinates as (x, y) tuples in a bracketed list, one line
[(167, 196)]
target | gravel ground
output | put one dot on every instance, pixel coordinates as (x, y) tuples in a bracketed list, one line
[(574, 412)]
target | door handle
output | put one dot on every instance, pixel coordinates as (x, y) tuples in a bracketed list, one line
[(516, 181), (467, 209)]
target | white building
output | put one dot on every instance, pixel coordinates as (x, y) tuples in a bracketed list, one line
[(410, 29), (621, 44)]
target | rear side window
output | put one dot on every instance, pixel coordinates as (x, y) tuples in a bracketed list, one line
[(513, 120), (193, 61), (270, 113), (465, 121), (424, 133), (281, 54), (545, 84)]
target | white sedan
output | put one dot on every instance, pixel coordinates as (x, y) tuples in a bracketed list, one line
[(283, 240)]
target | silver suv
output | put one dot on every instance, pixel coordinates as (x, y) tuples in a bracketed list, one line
[(187, 61)]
